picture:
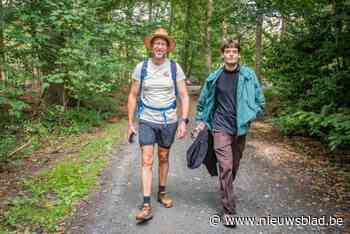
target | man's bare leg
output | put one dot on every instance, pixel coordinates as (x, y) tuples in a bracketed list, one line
[(163, 170), (146, 169), (146, 181)]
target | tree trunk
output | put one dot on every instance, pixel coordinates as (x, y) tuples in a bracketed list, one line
[(208, 34), (338, 26), (224, 28), (55, 92), (129, 49), (172, 14), (284, 26), (2, 44), (238, 34), (150, 10), (190, 63), (185, 51), (258, 44), (334, 7)]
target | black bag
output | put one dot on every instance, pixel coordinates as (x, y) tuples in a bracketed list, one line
[(202, 151)]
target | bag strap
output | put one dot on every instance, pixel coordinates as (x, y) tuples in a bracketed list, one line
[(143, 74), (173, 75)]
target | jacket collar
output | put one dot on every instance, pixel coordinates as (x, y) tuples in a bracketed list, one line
[(215, 74), (244, 71)]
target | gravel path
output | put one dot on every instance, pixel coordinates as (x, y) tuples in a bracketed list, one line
[(261, 190)]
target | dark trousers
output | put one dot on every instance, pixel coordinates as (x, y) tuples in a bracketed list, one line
[(228, 149)]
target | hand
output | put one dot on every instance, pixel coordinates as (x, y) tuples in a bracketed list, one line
[(181, 130), (131, 132), (197, 129), (200, 126)]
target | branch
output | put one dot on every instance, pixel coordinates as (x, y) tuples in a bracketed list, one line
[(19, 148)]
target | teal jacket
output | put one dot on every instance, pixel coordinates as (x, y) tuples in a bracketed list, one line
[(250, 99)]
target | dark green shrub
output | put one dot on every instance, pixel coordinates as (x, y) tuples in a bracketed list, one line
[(333, 129)]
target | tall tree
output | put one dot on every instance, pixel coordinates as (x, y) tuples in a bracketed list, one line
[(187, 37), (284, 25), (258, 41), (172, 15), (2, 43), (224, 28), (208, 34), (150, 10)]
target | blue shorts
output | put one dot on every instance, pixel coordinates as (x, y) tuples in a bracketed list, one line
[(152, 133)]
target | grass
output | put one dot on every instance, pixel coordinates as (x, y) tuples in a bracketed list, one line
[(51, 196), (50, 126)]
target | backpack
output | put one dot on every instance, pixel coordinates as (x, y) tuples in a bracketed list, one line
[(141, 103)]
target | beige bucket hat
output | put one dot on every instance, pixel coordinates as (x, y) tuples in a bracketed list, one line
[(162, 33)]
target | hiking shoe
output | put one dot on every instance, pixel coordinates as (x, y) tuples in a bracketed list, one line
[(145, 213), (166, 201)]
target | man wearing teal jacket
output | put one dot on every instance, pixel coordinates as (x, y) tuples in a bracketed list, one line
[(230, 100)]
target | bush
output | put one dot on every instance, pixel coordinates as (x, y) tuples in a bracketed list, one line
[(55, 120), (71, 121), (102, 103), (7, 144), (273, 102), (78, 120), (333, 129)]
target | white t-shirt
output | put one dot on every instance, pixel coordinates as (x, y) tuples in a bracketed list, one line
[(158, 90)]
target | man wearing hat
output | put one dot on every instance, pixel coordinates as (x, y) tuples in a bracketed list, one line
[(156, 83)]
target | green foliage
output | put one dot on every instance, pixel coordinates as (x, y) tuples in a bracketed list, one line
[(273, 103), (71, 42), (7, 144), (54, 122), (51, 196), (15, 106), (104, 104), (333, 129), (89, 48), (71, 121), (86, 47), (6, 232), (309, 67)]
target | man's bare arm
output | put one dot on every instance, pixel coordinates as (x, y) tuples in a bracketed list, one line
[(185, 100), (132, 102)]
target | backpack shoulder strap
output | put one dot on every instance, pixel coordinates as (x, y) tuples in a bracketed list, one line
[(173, 74), (143, 72)]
